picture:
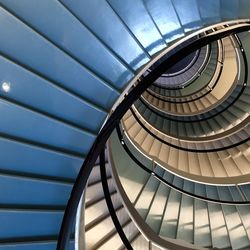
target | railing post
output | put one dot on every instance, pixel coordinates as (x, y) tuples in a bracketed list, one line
[(153, 165), (150, 245)]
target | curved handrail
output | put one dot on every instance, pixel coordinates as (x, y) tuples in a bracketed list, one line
[(189, 81), (174, 56), (187, 149), (191, 63), (244, 85), (144, 228), (168, 99), (233, 130), (110, 203), (162, 180), (166, 79)]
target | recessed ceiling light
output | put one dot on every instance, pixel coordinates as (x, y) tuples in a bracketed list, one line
[(6, 86)]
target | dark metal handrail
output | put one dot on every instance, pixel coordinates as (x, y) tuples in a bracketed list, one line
[(190, 65), (199, 119), (169, 98), (169, 184), (110, 203), (99, 144), (189, 81), (183, 148)]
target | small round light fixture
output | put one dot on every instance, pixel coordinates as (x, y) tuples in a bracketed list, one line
[(6, 87)]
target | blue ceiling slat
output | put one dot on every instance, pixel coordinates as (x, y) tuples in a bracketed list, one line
[(244, 7), (188, 12), (166, 19), (33, 51), (27, 159), (137, 19), (118, 39), (229, 9), (33, 91), (22, 123), (49, 245), (209, 11), (70, 35), (29, 191), (29, 223)]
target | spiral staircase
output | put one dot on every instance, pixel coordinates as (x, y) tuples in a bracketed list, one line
[(177, 166)]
